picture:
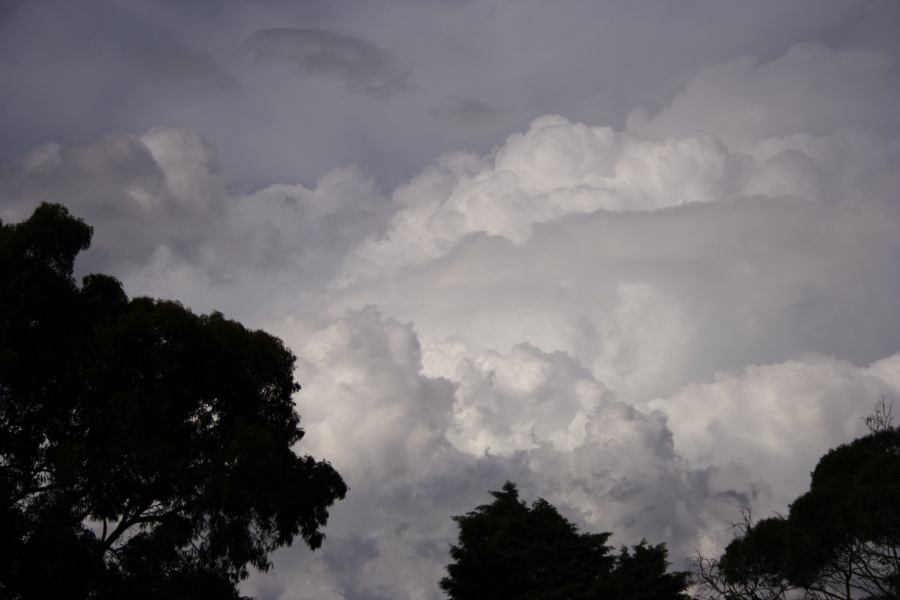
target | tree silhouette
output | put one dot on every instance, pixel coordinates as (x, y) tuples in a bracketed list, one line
[(840, 540), (507, 549), (146, 451)]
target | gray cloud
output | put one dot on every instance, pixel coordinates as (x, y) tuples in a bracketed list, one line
[(183, 69), (358, 63), (466, 112), (589, 61), (747, 100), (162, 189)]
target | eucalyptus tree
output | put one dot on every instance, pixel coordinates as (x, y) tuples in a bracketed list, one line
[(146, 451)]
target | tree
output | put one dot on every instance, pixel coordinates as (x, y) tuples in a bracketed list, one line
[(146, 451), (643, 575), (507, 549), (840, 540)]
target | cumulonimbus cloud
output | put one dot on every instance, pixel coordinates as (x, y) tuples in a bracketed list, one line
[(647, 326)]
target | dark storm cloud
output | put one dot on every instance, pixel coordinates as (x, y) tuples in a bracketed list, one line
[(358, 63)]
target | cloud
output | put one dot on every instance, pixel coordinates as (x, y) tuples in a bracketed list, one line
[(470, 422), (457, 111), (599, 458), (810, 89), (166, 224), (779, 418), (382, 424), (688, 335), (647, 322), (272, 250), (139, 192), (416, 448), (650, 301), (358, 63), (183, 69), (559, 168), (67, 75)]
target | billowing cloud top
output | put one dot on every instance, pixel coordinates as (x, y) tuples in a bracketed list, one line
[(643, 268)]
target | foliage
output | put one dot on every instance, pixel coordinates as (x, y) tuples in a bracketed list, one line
[(841, 539), (146, 451), (507, 549)]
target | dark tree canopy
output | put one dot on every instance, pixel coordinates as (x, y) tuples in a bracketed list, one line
[(146, 451), (840, 540), (507, 549)]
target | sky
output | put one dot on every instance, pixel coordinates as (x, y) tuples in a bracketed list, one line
[(640, 258)]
